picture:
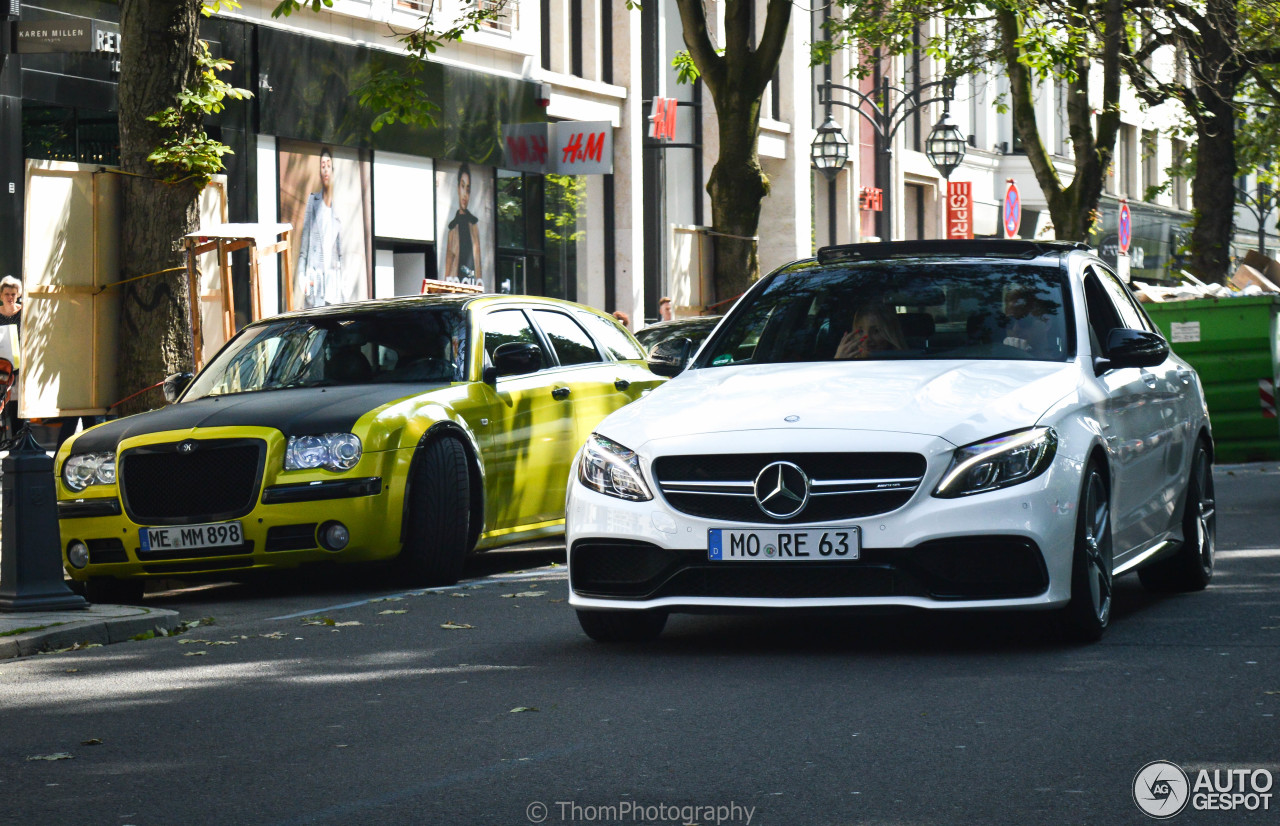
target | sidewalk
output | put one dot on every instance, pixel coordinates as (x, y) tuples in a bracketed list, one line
[(26, 633)]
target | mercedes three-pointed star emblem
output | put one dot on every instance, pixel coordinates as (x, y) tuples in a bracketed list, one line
[(782, 490)]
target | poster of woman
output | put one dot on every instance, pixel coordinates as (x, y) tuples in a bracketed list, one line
[(324, 193), (464, 204)]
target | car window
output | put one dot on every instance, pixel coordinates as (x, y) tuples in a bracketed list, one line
[(1102, 315), (900, 309), (404, 344), (571, 342), (1130, 315), (505, 326), (611, 337)]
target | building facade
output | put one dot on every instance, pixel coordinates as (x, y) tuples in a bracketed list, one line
[(565, 158)]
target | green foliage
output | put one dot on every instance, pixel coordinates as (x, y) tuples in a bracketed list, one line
[(186, 151), (288, 7), (397, 96), (686, 70), (566, 193)]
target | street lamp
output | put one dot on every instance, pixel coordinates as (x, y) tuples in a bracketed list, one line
[(830, 149), (945, 146)]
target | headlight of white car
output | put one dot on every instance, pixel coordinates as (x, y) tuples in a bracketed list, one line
[(611, 469), (85, 469), (333, 451), (998, 463)]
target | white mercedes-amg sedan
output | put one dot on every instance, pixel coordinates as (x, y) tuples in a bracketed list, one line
[(949, 425)]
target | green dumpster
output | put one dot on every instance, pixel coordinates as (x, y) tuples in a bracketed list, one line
[(1234, 344)]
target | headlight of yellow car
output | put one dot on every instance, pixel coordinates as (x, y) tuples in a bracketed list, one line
[(85, 469), (332, 451)]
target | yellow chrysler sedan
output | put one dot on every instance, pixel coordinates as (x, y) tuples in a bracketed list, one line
[(420, 428)]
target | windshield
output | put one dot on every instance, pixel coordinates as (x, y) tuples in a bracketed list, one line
[(901, 309), (419, 344)]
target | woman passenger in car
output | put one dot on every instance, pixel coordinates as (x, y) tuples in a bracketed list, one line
[(875, 329)]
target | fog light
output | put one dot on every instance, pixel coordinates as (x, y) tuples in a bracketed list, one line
[(334, 536), (77, 554)]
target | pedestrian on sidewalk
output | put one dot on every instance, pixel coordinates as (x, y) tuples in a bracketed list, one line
[(11, 315)]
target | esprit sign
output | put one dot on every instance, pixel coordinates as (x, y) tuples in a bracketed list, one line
[(959, 209), (565, 148)]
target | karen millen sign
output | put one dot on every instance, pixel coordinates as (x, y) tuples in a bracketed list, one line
[(67, 34)]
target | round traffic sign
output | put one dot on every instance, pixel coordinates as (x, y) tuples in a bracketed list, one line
[(1012, 210), (1126, 228)]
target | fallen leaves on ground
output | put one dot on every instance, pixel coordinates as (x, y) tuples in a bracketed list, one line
[(184, 627), (525, 594), (456, 626), (380, 613), (80, 646), (519, 709), (62, 755), (94, 741), (330, 621)]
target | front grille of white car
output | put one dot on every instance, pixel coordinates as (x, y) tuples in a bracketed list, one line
[(840, 485)]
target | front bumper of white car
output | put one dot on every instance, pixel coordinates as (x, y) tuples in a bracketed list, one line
[(1003, 549)]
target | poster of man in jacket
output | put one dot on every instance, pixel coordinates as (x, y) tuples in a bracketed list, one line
[(324, 191)]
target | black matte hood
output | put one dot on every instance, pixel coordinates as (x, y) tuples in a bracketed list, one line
[(297, 412)]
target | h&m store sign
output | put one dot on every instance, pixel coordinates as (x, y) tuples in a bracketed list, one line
[(67, 34), (564, 148)]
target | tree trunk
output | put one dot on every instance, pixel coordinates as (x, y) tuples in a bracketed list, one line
[(737, 186), (156, 62), (736, 76), (1072, 208), (1213, 189)]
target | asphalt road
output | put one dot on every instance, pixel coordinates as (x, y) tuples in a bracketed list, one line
[(317, 706)]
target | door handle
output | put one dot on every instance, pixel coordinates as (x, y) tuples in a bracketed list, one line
[(560, 393), (621, 384), (1149, 379)]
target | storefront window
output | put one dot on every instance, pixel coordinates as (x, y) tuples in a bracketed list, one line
[(58, 133)]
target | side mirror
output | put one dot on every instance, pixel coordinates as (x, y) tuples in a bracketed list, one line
[(512, 359), (1132, 348), (174, 385), (668, 358)]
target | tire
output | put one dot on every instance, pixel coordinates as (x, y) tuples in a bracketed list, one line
[(438, 516), (622, 626), (1088, 614), (1191, 567), (102, 590)]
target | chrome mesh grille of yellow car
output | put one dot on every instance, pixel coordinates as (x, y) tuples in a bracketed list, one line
[(193, 480), (836, 486)]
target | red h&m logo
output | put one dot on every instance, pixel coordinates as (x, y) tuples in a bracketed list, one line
[(871, 198), (527, 150), (582, 147), (663, 119), (959, 209)]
